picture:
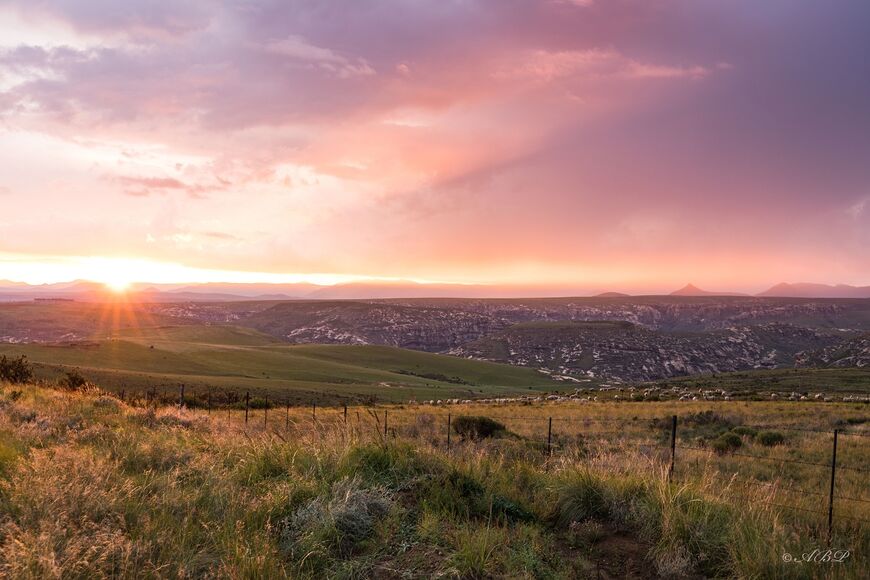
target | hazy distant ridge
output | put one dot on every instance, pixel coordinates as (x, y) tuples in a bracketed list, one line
[(806, 290), (224, 292)]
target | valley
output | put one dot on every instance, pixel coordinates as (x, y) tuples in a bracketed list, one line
[(431, 348)]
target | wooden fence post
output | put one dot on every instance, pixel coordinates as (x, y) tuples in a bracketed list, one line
[(287, 419), (266, 413), (550, 437), (247, 405), (833, 478), (673, 445), (181, 395), (385, 424)]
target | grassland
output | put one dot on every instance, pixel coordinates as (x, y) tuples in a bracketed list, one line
[(91, 487), (825, 380), (225, 358)]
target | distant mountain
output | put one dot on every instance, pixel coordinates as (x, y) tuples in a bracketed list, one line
[(177, 296), (85, 291), (81, 290), (807, 290), (75, 290), (692, 290), (259, 291), (399, 289)]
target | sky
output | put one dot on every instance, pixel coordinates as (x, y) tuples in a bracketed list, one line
[(630, 145)]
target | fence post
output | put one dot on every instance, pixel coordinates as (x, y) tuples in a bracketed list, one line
[(385, 424), (448, 431), (266, 413), (208, 402), (247, 404), (673, 445), (550, 437), (287, 419), (314, 411), (181, 395), (833, 477), (345, 414)]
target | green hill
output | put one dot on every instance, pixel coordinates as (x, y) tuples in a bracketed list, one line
[(241, 359)]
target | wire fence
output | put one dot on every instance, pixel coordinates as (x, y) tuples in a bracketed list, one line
[(665, 434)]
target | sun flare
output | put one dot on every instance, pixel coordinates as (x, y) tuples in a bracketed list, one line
[(118, 286)]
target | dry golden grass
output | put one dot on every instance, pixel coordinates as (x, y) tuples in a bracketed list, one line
[(91, 487)]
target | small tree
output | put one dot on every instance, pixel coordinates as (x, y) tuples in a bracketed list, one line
[(74, 380), (15, 370)]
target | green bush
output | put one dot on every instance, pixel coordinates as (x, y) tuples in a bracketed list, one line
[(726, 443), (469, 427), (743, 430), (15, 370), (74, 381), (771, 438)]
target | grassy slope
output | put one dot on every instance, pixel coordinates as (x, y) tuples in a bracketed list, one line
[(92, 488), (243, 359)]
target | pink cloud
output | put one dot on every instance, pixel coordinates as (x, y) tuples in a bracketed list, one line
[(472, 136), (146, 186), (296, 48), (594, 64)]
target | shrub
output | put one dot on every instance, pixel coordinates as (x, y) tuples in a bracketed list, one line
[(15, 370), (74, 381), (338, 523), (745, 431), (726, 443), (469, 427), (771, 438)]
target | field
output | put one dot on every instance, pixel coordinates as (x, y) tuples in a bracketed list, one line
[(227, 358), (93, 487), (827, 380)]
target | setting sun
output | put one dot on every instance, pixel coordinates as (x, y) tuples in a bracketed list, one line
[(119, 286)]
